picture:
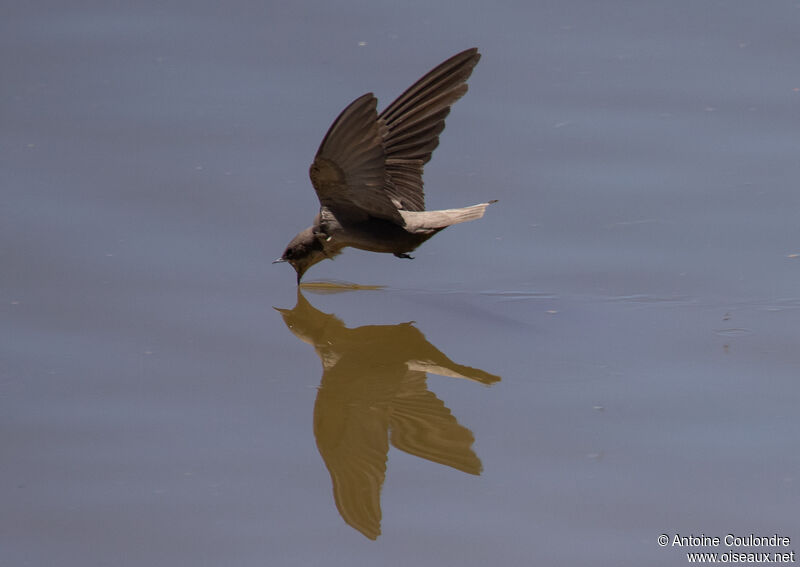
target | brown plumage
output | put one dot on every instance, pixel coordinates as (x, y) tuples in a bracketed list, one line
[(368, 172)]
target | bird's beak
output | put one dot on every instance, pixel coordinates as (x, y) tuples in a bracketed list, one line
[(300, 271)]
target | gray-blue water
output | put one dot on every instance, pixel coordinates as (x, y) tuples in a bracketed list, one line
[(611, 354)]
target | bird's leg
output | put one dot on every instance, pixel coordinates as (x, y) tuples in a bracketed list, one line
[(404, 255)]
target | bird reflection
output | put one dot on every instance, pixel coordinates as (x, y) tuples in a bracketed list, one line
[(374, 392)]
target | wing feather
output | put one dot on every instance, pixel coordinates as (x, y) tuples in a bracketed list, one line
[(348, 172), (414, 122), (372, 165)]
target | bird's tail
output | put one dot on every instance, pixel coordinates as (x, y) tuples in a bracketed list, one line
[(421, 221)]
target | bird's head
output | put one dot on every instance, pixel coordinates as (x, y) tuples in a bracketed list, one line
[(305, 250)]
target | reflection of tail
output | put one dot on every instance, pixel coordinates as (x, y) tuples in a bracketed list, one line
[(453, 370), (420, 221)]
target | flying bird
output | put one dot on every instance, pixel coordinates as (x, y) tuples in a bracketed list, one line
[(368, 172)]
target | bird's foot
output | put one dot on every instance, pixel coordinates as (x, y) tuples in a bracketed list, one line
[(404, 255)]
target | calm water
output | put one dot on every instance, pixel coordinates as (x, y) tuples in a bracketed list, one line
[(609, 355)]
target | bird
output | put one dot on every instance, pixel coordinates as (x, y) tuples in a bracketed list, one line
[(367, 172)]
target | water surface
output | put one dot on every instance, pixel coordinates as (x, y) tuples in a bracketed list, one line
[(609, 355)]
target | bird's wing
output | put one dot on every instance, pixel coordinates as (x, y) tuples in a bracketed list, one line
[(348, 172), (413, 123)]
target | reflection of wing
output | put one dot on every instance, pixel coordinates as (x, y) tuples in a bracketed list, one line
[(352, 440), (423, 426), (348, 171)]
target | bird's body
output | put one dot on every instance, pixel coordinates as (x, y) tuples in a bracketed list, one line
[(368, 172), (373, 234)]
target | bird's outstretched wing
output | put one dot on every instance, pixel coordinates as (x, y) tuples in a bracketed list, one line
[(348, 172), (370, 164), (413, 123)]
